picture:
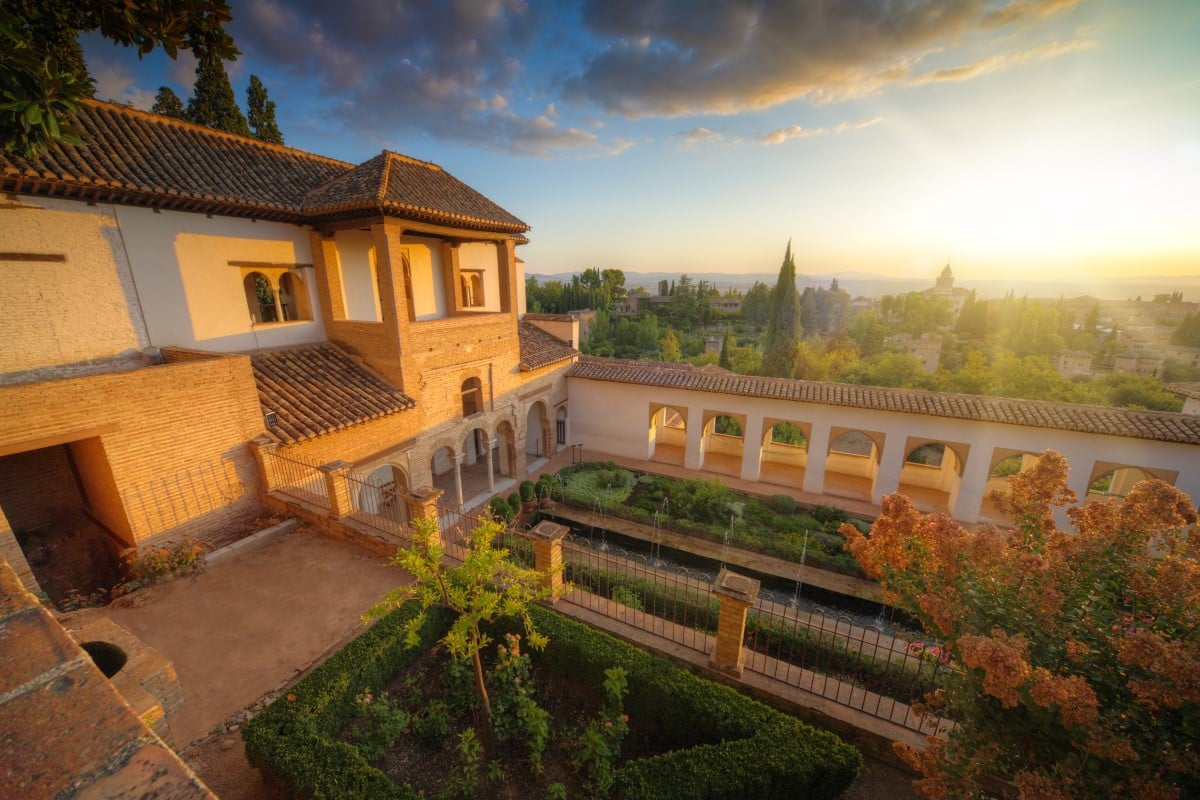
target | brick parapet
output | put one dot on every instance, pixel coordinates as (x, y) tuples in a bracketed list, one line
[(58, 712)]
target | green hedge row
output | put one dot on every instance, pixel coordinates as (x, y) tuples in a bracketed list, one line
[(741, 748), (903, 678), (295, 740)]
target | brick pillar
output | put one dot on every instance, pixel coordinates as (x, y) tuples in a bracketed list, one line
[(547, 539), (736, 593), (337, 488), (264, 448), (422, 504)]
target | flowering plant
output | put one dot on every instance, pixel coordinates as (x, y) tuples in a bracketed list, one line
[(1078, 651)]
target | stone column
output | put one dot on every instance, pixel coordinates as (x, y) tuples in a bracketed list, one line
[(752, 445), (491, 477), (891, 461), (816, 454), (264, 448), (458, 487), (547, 539), (337, 488), (973, 485), (693, 453), (736, 593)]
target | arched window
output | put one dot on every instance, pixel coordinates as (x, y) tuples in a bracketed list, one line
[(472, 288), (472, 396), (293, 297), (260, 298)]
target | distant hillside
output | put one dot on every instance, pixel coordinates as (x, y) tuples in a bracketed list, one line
[(868, 285)]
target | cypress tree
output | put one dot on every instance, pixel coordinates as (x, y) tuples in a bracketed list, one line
[(726, 350), (167, 103), (783, 324), (261, 111), (213, 104)]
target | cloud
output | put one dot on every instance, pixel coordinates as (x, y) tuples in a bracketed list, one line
[(114, 82), (664, 59), (781, 135), (697, 137), (998, 63), (452, 70)]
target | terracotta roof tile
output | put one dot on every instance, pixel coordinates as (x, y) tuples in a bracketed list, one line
[(540, 349), (550, 317), (1191, 390), (407, 187), (137, 158), (317, 389), (1157, 425)]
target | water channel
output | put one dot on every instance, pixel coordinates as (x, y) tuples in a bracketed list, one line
[(795, 594)]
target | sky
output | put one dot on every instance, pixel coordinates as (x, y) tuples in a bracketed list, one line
[(1024, 138)]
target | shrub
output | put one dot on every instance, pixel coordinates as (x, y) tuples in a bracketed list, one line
[(737, 747), (825, 514), (500, 509), (514, 502), (782, 503), (526, 491)]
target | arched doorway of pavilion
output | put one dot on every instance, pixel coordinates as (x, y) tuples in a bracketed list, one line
[(382, 493), (784, 452), (668, 434), (852, 465), (932, 474), (722, 444)]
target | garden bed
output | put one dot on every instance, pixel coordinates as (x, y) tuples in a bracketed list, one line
[(777, 526), (722, 744)]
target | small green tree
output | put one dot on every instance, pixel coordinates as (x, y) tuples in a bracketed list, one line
[(669, 347), (486, 587), (261, 111), (167, 103), (213, 104), (727, 345)]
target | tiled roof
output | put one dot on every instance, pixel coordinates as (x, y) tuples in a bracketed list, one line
[(317, 389), (136, 158), (410, 188), (1191, 390), (1157, 425), (550, 317), (540, 349)]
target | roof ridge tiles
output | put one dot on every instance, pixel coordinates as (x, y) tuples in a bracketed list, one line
[(1136, 423)]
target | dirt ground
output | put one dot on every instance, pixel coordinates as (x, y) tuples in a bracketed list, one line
[(252, 624)]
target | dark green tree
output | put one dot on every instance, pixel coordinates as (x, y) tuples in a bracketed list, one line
[(261, 111), (213, 104), (167, 103), (783, 324), (727, 345), (756, 305), (42, 76)]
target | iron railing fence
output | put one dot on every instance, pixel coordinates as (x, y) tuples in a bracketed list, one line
[(298, 478), (860, 667), (380, 506), (672, 604)]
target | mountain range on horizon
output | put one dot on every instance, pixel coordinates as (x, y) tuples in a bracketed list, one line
[(865, 284)]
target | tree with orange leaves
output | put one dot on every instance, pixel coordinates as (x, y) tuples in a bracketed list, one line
[(1077, 653)]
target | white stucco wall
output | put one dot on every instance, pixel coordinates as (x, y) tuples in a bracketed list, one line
[(181, 261), (482, 256), (428, 284), (62, 312), (613, 418), (360, 284)]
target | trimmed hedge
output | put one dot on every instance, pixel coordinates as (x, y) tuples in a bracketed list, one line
[(740, 748), (295, 741)]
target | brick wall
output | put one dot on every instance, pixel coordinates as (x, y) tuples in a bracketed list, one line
[(37, 488), (160, 450)]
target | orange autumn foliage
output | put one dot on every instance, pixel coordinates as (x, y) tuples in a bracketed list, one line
[(1075, 654)]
